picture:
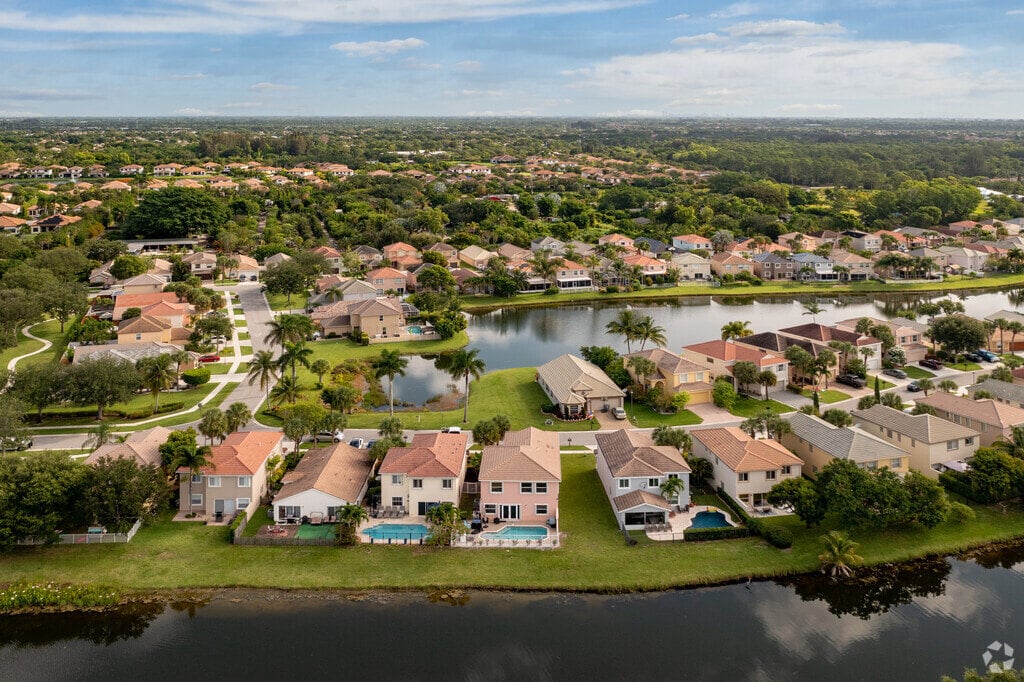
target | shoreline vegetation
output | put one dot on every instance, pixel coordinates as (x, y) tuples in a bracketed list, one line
[(593, 558)]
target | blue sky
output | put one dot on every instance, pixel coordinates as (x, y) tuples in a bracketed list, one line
[(841, 58)]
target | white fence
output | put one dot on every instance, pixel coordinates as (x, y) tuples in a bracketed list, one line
[(549, 542), (92, 538)]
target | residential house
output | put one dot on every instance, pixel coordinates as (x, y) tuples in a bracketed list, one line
[(514, 254), (54, 222), (771, 266), (578, 388), (427, 472), (9, 209), (909, 335), (818, 443), (142, 301), (324, 481), (1001, 391), (940, 259), (368, 256), (203, 263), (852, 267), (691, 267), (723, 264), (650, 246), (632, 469), (811, 266), (131, 169), (144, 329), (399, 251), (692, 242), (235, 480), (132, 352), (476, 257), (521, 476), (143, 284), (864, 241), (344, 289), (332, 256), (572, 275), (674, 373), (274, 260), (720, 356), (745, 468), (450, 253), (798, 241), (388, 279), (964, 260), (11, 225), (820, 334), (166, 169), (142, 447), (379, 318), (554, 246), (616, 239), (1006, 341), (650, 267), (934, 444), (994, 420), (97, 171), (247, 269)]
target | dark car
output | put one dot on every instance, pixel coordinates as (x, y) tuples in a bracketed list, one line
[(973, 357), (898, 373), (209, 358), (913, 387), (930, 363), (987, 355), (851, 380)]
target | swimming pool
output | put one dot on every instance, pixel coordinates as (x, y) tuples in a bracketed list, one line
[(710, 519), (517, 533), (397, 531), (414, 329)]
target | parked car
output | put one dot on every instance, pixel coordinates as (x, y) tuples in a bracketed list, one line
[(987, 355), (336, 436), (357, 443), (851, 380), (12, 443), (893, 372), (973, 357), (913, 387), (212, 357), (452, 429), (930, 363), (618, 413)]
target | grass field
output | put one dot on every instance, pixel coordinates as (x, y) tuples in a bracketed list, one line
[(280, 301), (49, 330), (57, 416), (646, 418), (882, 383), (918, 373), (965, 366), (748, 407), (827, 395), (593, 556)]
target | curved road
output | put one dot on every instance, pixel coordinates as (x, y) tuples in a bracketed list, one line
[(26, 332)]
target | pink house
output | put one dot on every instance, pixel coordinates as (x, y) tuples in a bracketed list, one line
[(520, 477)]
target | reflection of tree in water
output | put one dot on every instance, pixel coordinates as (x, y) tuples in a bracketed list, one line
[(1015, 296), (999, 557), (874, 592), (107, 627)]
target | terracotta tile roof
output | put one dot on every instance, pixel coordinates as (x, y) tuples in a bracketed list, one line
[(525, 455), (338, 470), (633, 454), (987, 411), (741, 453), (243, 453), (143, 300), (729, 351), (142, 325), (384, 273), (429, 455)]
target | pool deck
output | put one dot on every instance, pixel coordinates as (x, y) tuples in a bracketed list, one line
[(682, 520), (401, 521)]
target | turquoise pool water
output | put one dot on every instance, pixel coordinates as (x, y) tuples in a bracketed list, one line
[(414, 329), (517, 533), (706, 519), (397, 531)]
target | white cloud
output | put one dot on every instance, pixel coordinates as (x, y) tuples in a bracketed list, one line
[(46, 94), (186, 76), (241, 105), (698, 39), (413, 64), (378, 48), (739, 9), (193, 111), (678, 17), (271, 87), (469, 66), (1014, 12), (783, 28)]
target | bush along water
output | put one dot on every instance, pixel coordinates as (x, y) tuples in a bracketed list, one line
[(18, 596)]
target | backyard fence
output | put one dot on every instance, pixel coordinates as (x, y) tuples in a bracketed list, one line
[(273, 542), (549, 542), (103, 538)]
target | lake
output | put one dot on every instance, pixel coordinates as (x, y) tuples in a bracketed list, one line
[(528, 337), (913, 624)]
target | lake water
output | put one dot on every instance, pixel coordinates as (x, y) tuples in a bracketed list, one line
[(527, 337), (912, 625)]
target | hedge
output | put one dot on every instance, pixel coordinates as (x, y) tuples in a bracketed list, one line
[(755, 525), (705, 534), (779, 537), (197, 376), (960, 483)]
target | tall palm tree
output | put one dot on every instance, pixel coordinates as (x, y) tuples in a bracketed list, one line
[(179, 358), (349, 518), (157, 373), (839, 555), (672, 488), (866, 353), (813, 309), (295, 354), (213, 424), (735, 330), (194, 459), (263, 368), (463, 364), (287, 390), (238, 415), (647, 330), (100, 436), (1014, 445), (290, 328), (1002, 324), (767, 379), (545, 266), (626, 324), (1014, 328), (390, 364)]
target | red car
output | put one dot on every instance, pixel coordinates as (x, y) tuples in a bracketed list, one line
[(209, 358)]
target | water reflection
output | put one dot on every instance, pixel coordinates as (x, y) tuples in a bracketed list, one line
[(107, 627)]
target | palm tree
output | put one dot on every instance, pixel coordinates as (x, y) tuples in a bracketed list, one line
[(813, 309), (672, 488), (845, 348), (213, 424), (866, 353), (195, 459), (1014, 445), (287, 390), (545, 266), (626, 324), (1014, 328), (839, 555), (101, 435), (736, 330), (157, 373), (926, 385), (390, 364), (237, 415), (349, 518), (320, 367), (263, 368), (767, 379), (179, 358), (295, 354), (289, 328), (463, 364), (647, 330), (1002, 324)]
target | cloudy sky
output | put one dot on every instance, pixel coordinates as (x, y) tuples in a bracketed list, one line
[(842, 58)]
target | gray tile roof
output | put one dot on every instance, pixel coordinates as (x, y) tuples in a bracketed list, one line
[(850, 442), (569, 378), (632, 454), (638, 498), (923, 427), (1001, 390)]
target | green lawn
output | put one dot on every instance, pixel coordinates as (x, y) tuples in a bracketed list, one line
[(826, 396), (280, 301), (226, 352), (965, 366), (169, 555), (57, 416), (49, 330), (882, 383), (25, 345), (218, 367), (915, 372), (337, 350), (244, 350), (645, 418), (243, 336), (748, 407), (241, 323)]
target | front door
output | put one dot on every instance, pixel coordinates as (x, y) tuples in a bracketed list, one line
[(225, 507), (509, 511)]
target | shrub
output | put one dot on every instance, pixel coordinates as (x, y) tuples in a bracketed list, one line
[(131, 313), (611, 289), (234, 525), (196, 377), (27, 596), (705, 534), (551, 291), (779, 537), (959, 513), (724, 395)]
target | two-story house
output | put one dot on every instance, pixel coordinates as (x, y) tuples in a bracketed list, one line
[(331, 255), (720, 356), (909, 335), (992, 419), (692, 242), (673, 374), (235, 480), (378, 318), (632, 469), (1001, 391), (388, 279), (852, 267), (811, 266), (725, 263), (772, 266), (863, 241), (425, 473), (818, 443), (572, 275), (745, 468), (691, 267), (934, 444), (476, 256), (520, 477)]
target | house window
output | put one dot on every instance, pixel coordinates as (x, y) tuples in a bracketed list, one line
[(417, 483), (490, 509), (138, 337), (289, 512), (896, 463), (396, 479), (242, 502), (541, 509), (245, 481), (540, 488), (447, 483), (952, 445), (197, 499), (197, 478), (213, 482), (653, 482), (496, 487), (769, 475), (742, 478), (786, 471), (623, 483), (969, 440), (526, 488)]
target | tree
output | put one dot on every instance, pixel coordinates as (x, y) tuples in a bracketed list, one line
[(118, 491), (926, 385), (342, 398), (745, 373), (446, 523), (213, 424), (237, 415), (39, 385), (813, 309), (102, 382), (175, 212), (647, 330), (390, 364), (349, 518), (128, 265), (839, 555), (626, 324), (837, 417), (723, 395), (289, 328), (767, 379), (736, 330), (287, 390), (1014, 445), (295, 355), (320, 367), (672, 488), (287, 278), (948, 385), (463, 364), (701, 471), (926, 500), (957, 333), (803, 496), (157, 374), (263, 368), (182, 451), (677, 438), (642, 367), (100, 436), (36, 495), (545, 265), (391, 428), (66, 301), (824, 363)]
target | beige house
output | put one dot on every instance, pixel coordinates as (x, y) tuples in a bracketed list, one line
[(818, 443), (674, 374), (723, 264), (578, 388), (476, 257), (745, 468), (691, 267), (145, 283), (909, 335), (992, 419), (387, 279), (331, 255), (378, 318), (143, 447), (720, 356), (450, 253), (323, 481), (934, 444), (427, 472), (144, 329), (202, 263), (236, 478)]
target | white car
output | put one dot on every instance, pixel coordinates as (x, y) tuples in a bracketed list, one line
[(452, 429), (618, 413), (336, 436)]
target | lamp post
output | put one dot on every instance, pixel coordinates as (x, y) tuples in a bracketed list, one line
[(570, 442)]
